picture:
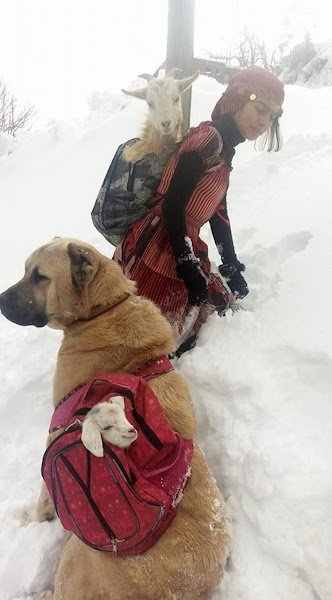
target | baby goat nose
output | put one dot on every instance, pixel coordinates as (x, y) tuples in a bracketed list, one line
[(166, 124)]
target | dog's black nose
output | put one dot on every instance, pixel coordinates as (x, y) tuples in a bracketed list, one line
[(3, 299), (7, 303), (7, 299)]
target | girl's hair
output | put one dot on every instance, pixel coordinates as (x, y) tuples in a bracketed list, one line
[(272, 139)]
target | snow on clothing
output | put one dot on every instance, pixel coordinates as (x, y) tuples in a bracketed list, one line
[(148, 253)]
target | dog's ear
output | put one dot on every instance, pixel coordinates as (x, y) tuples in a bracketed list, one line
[(82, 264), (91, 438)]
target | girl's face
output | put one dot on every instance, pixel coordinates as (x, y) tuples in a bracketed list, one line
[(254, 118)]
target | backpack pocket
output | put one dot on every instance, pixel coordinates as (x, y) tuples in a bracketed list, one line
[(104, 501), (119, 212)]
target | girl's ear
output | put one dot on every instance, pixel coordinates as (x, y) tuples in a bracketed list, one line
[(91, 438)]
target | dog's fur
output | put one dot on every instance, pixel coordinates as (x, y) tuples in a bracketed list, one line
[(69, 285)]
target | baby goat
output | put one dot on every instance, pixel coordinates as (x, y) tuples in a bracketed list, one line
[(163, 125), (107, 420)]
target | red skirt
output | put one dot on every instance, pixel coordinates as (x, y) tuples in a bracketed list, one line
[(170, 293)]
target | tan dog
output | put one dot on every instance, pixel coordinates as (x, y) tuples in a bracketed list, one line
[(69, 285)]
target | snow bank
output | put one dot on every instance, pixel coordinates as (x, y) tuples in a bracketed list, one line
[(260, 378)]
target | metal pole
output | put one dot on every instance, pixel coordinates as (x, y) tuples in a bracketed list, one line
[(180, 46)]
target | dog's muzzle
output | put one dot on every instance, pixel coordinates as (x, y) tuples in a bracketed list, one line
[(20, 310)]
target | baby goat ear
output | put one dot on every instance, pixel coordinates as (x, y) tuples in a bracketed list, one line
[(119, 400), (91, 438)]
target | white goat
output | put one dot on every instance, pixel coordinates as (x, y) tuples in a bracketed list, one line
[(107, 420), (163, 125)]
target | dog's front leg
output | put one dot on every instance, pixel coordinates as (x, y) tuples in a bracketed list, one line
[(44, 509)]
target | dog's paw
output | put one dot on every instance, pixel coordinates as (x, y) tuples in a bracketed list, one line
[(37, 514), (27, 516), (46, 512)]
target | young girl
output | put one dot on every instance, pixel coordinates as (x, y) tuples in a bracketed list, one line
[(164, 253)]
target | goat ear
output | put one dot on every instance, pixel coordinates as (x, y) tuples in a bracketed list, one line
[(183, 84), (82, 265), (141, 93), (119, 400), (91, 438), (146, 76)]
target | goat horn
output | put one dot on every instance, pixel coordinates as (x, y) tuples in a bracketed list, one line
[(183, 84), (174, 72), (140, 93), (146, 76)]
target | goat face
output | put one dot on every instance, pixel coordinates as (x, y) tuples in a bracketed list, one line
[(163, 97), (107, 420), (164, 101)]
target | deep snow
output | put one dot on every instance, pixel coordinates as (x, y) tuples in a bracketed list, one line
[(261, 378)]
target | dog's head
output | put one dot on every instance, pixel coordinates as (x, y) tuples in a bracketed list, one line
[(65, 281)]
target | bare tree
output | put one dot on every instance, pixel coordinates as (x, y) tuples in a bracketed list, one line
[(299, 58), (11, 118), (250, 50)]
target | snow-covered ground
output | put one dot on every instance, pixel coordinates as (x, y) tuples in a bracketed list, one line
[(261, 378)]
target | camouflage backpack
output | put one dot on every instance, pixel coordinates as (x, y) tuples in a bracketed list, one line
[(128, 192)]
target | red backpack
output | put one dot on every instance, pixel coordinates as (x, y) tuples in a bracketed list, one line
[(123, 501)]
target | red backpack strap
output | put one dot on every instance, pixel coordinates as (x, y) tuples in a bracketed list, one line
[(69, 403), (157, 366), (65, 408)]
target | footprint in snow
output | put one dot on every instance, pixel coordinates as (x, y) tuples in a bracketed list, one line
[(264, 266)]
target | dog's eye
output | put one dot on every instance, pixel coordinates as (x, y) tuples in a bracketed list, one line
[(108, 427), (37, 276)]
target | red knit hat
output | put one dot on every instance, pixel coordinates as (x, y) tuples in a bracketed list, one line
[(253, 81)]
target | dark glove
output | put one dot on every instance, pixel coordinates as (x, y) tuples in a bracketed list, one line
[(189, 271), (236, 282)]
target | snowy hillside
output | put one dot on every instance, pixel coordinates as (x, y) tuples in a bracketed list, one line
[(260, 378)]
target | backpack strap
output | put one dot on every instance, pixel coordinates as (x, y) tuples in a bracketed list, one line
[(67, 405), (156, 366)]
